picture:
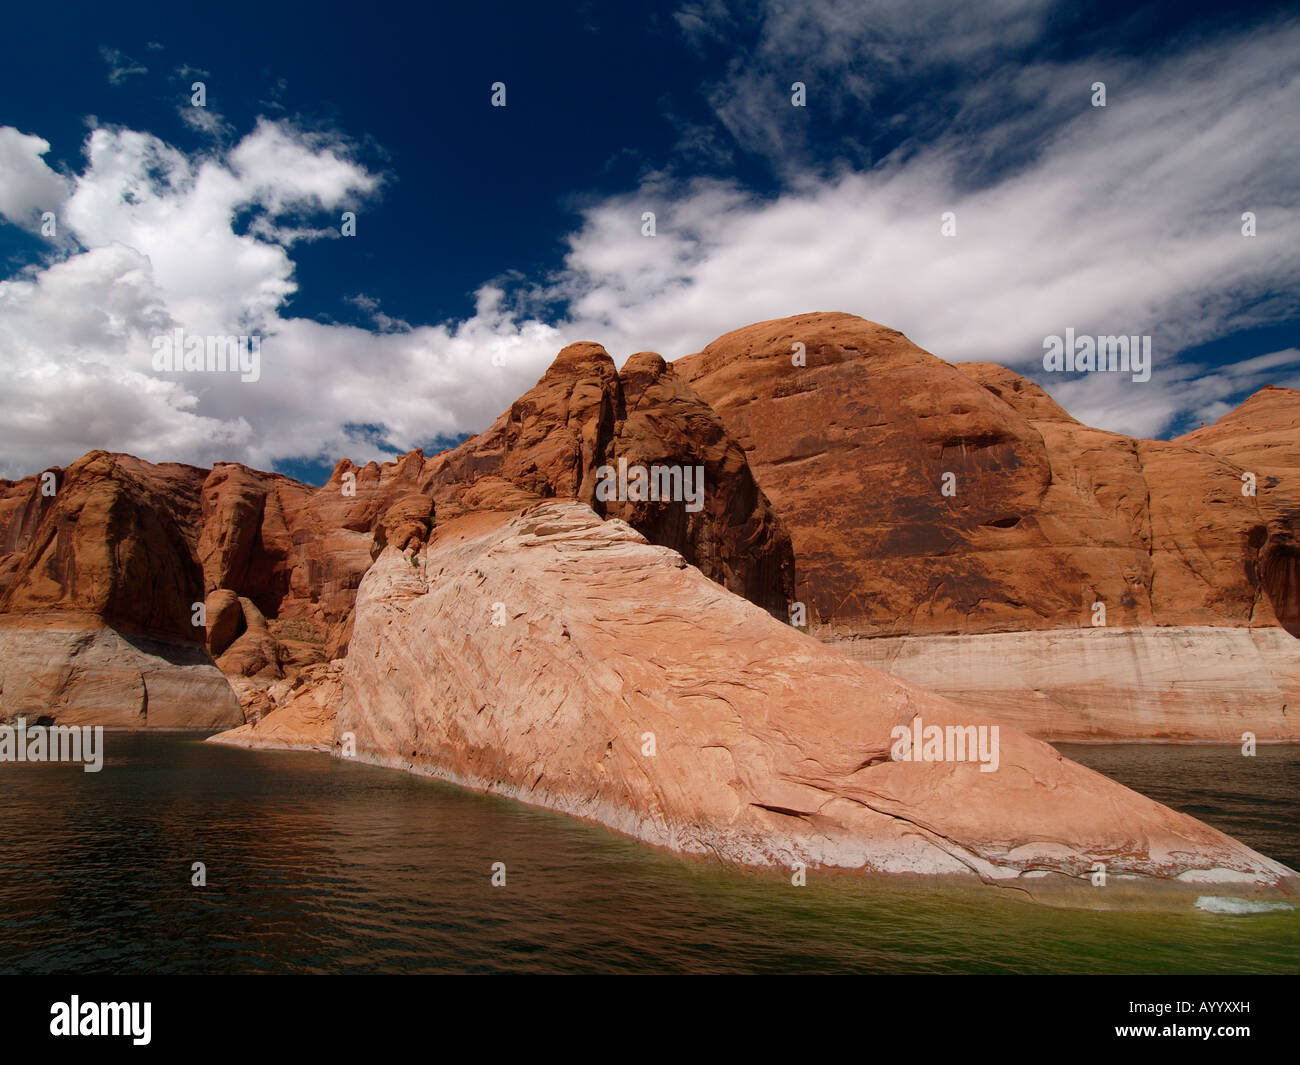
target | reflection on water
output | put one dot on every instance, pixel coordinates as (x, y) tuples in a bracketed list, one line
[(315, 865)]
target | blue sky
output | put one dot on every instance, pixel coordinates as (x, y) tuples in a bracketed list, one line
[(487, 238)]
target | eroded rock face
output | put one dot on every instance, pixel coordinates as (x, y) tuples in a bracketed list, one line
[(113, 544), (852, 449), (736, 538), (625, 688), (1262, 439), (1044, 517), (584, 417), (299, 553), (97, 621), (297, 715)]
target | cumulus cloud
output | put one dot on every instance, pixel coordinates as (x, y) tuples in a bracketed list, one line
[(162, 252), (28, 187), (75, 344)]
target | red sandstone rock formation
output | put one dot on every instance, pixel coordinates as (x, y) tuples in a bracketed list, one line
[(584, 415), (506, 637), (1045, 517), (110, 544), (99, 585), (1262, 438), (1049, 518)]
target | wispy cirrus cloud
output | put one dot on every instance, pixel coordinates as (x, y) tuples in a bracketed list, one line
[(121, 67), (869, 69)]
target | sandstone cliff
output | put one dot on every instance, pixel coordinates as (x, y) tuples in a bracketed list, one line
[(1045, 521), (584, 415), (97, 590), (298, 554), (493, 616), (1044, 517), (1262, 438), (1119, 588)]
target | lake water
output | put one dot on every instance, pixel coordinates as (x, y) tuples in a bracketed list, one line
[(318, 865)]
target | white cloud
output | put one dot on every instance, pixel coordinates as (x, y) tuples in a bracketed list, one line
[(73, 379), (162, 252), (205, 120), (1123, 220), (1193, 390), (76, 337), (28, 187)]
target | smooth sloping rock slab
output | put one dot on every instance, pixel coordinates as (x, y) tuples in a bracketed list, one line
[(769, 747), (295, 715)]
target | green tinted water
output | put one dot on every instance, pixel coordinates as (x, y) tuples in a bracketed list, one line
[(317, 865)]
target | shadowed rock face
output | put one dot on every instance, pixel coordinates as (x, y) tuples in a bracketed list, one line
[(737, 538), (1044, 517), (625, 688), (97, 609), (584, 416), (1262, 437), (112, 543)]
